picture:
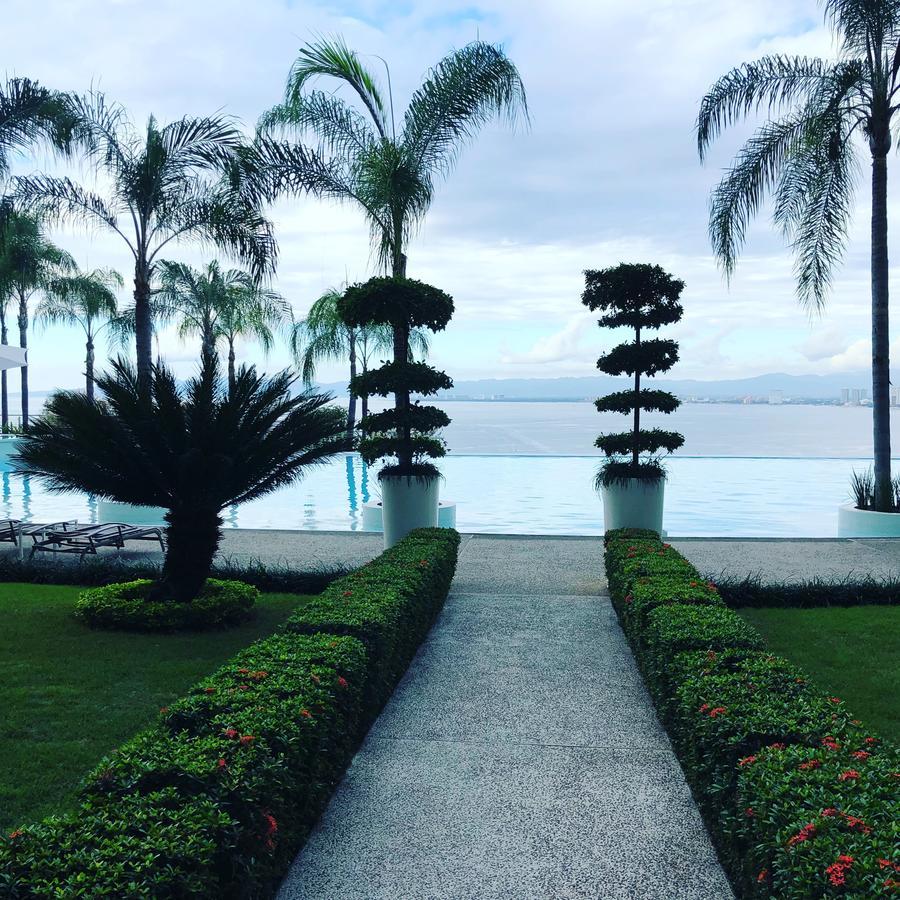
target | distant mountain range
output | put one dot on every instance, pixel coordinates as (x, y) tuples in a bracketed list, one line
[(791, 387)]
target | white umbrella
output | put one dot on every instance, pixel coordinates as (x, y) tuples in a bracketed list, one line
[(12, 357)]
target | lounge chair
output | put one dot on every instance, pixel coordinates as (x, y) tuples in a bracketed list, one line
[(13, 531), (90, 538)]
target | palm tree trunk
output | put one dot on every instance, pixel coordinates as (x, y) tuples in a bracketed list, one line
[(143, 325), (351, 409), (192, 539), (89, 370), (23, 343), (230, 365), (401, 355), (881, 369), (4, 390)]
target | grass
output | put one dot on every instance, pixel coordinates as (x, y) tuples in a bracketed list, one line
[(70, 694), (852, 652)]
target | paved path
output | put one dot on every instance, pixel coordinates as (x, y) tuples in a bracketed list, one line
[(520, 757)]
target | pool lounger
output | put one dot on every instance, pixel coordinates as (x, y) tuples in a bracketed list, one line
[(90, 538), (12, 531)]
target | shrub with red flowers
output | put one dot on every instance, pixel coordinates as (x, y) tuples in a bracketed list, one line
[(801, 801)]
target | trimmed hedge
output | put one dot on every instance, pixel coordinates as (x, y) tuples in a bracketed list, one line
[(125, 607), (389, 605), (752, 592), (216, 797), (800, 800)]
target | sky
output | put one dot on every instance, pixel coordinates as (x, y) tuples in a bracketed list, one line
[(606, 172)]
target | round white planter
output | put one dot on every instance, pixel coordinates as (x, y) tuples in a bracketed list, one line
[(372, 518), (408, 503), (853, 522), (636, 503)]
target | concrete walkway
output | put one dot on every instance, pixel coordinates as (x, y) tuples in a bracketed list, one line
[(520, 757)]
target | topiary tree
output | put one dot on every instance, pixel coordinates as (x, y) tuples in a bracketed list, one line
[(641, 297), (405, 432)]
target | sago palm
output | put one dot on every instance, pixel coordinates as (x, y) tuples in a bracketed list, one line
[(30, 264), (323, 336), (85, 300), (192, 450), (164, 186), (826, 112)]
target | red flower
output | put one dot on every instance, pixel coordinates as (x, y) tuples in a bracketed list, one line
[(305, 713), (342, 682), (230, 733), (243, 687), (711, 655), (15, 834), (887, 864), (837, 871), (164, 709), (209, 690), (243, 671), (860, 754), (247, 739), (221, 764), (849, 775), (809, 764), (778, 746), (717, 711), (830, 811), (746, 761), (270, 830), (704, 707), (694, 584), (712, 587), (856, 824), (804, 834), (829, 743), (629, 598), (258, 676), (762, 876), (749, 812), (348, 593), (871, 740), (835, 699)]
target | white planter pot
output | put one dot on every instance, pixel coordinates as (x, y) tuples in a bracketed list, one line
[(635, 503), (372, 517), (408, 503), (853, 522)]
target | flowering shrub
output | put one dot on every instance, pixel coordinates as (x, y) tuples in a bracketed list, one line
[(389, 605), (216, 797), (800, 800), (125, 607)]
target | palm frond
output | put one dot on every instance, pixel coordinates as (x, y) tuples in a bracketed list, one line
[(58, 199), (461, 94), (334, 59), (773, 81)]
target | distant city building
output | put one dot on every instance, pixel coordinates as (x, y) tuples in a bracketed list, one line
[(845, 396), (776, 398), (895, 396), (856, 395)]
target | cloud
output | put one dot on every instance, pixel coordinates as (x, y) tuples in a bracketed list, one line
[(562, 346)]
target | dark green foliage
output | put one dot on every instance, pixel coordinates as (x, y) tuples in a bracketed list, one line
[(851, 591), (126, 607), (639, 297), (406, 431), (97, 571), (191, 450), (396, 302), (388, 604), (240, 769), (766, 753)]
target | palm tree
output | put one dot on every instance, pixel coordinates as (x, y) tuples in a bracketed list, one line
[(29, 265), (85, 300), (323, 335), (362, 158), (807, 156), (165, 187), (193, 451)]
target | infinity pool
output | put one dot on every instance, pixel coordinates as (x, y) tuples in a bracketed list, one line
[(732, 496)]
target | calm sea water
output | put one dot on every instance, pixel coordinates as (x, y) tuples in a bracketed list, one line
[(527, 468)]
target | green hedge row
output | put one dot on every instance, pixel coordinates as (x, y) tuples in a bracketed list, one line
[(216, 797), (752, 592), (801, 800)]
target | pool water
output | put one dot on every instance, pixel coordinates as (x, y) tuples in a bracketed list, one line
[(726, 496)]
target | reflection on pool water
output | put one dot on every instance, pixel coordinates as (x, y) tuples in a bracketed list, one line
[(530, 495)]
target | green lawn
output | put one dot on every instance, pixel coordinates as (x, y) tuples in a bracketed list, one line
[(852, 652), (71, 695)]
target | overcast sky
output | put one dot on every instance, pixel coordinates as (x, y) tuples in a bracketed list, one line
[(607, 172)]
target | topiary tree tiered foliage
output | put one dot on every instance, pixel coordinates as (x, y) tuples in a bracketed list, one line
[(405, 432), (644, 298)]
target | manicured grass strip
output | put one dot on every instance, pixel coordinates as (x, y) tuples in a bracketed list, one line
[(71, 694), (853, 653), (800, 797)]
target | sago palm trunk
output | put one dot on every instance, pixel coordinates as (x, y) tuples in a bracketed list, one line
[(192, 538), (23, 343), (881, 370), (143, 325)]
